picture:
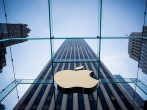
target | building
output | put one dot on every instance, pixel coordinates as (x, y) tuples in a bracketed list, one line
[(2, 107), (137, 49), (2, 56), (134, 46), (131, 92), (110, 95), (8, 31)]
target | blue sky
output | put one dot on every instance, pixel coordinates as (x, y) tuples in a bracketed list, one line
[(71, 18)]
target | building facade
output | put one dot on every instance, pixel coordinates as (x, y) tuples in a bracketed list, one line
[(8, 31), (108, 96), (134, 46), (137, 49), (131, 92)]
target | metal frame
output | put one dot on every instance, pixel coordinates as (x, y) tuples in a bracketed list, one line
[(59, 38)]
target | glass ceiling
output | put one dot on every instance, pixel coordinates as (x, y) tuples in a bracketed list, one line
[(106, 26)]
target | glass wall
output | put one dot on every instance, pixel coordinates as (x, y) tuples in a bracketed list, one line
[(106, 27)]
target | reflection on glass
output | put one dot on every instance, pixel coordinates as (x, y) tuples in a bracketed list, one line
[(8, 31), (137, 49)]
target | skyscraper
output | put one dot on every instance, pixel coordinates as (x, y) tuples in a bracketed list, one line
[(137, 49), (134, 46), (8, 31), (131, 92), (110, 95)]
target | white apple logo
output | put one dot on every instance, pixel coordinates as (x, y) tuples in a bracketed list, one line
[(71, 81)]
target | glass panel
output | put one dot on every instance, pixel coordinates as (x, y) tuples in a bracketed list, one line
[(57, 43), (36, 81), (2, 18), (8, 89), (141, 85), (118, 80), (121, 17), (30, 55), (73, 18), (9, 98), (117, 59)]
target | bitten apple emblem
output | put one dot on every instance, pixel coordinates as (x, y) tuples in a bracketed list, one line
[(78, 80)]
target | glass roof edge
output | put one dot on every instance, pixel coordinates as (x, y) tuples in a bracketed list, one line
[(58, 38)]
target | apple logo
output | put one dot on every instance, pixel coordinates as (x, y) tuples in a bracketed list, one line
[(75, 81)]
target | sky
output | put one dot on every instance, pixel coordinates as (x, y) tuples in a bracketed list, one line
[(71, 18)]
